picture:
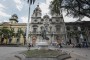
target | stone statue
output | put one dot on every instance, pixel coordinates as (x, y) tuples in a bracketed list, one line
[(43, 34)]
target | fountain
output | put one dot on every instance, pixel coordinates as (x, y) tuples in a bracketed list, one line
[(43, 44), (42, 51)]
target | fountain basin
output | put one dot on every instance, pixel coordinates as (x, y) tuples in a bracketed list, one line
[(45, 55), (42, 45)]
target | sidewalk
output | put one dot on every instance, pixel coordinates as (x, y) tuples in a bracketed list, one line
[(9, 57), (78, 53), (8, 53), (12, 58)]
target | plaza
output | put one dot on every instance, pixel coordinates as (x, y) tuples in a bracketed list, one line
[(53, 29), (44, 34), (8, 53)]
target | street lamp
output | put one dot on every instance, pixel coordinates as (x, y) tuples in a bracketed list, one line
[(51, 37)]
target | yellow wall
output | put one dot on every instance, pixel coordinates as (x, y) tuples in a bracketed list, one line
[(16, 27)]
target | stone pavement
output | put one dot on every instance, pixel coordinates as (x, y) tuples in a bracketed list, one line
[(8, 53), (10, 58), (78, 53)]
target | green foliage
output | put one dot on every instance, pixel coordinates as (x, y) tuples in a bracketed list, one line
[(55, 6), (31, 1), (19, 32), (6, 32), (74, 8), (42, 53)]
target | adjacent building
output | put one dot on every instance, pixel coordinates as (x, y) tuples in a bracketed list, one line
[(18, 31), (78, 32)]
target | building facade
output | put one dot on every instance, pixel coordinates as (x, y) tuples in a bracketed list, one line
[(78, 32), (12, 32), (51, 29)]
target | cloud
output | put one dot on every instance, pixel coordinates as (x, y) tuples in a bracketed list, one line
[(4, 14), (86, 19), (3, 0), (2, 8), (24, 19), (45, 7), (48, 1), (19, 4)]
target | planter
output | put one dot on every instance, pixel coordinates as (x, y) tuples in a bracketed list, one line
[(45, 55)]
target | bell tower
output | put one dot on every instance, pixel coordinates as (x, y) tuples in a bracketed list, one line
[(14, 19), (37, 12)]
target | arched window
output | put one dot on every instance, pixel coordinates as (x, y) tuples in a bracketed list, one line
[(35, 20), (68, 28), (57, 20), (12, 29), (34, 26), (57, 28), (41, 28), (75, 28), (50, 28), (34, 30)]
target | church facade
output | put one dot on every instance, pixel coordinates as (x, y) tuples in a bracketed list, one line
[(46, 28)]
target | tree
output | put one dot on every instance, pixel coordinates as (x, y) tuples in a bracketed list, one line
[(18, 34), (55, 7), (6, 34), (75, 8), (30, 3)]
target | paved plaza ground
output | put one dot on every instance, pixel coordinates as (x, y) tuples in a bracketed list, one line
[(8, 53), (78, 53)]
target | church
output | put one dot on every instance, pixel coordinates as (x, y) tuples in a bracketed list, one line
[(46, 28)]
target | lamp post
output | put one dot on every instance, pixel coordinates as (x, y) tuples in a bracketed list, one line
[(51, 37)]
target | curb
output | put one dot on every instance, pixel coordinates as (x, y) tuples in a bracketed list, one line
[(20, 56)]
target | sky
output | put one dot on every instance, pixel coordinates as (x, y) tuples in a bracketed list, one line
[(20, 7)]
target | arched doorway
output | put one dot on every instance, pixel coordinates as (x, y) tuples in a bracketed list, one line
[(34, 38), (58, 39)]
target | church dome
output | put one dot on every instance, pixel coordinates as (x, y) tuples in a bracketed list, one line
[(46, 16)]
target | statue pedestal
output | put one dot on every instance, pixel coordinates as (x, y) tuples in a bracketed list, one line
[(42, 45)]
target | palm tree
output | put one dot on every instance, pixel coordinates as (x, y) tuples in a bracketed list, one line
[(30, 3)]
